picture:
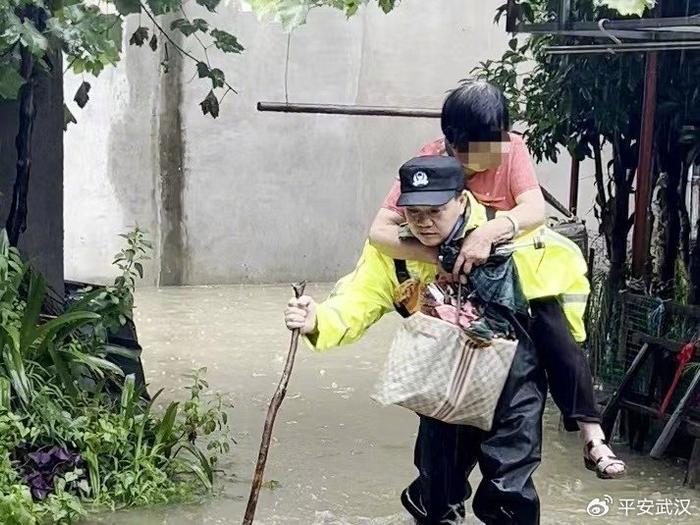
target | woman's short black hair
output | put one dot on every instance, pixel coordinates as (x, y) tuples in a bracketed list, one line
[(476, 111)]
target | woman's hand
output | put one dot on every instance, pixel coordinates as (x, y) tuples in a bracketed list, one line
[(476, 249), (300, 314)]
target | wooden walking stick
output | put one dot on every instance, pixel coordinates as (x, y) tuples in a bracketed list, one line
[(270, 419)]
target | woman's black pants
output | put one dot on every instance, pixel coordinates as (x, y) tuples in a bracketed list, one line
[(568, 372)]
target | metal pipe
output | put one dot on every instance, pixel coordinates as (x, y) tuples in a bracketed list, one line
[(340, 109), (676, 24), (640, 236), (621, 48), (552, 201), (337, 109)]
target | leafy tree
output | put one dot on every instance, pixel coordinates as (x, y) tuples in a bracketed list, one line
[(293, 13), (35, 33), (627, 7), (580, 104)]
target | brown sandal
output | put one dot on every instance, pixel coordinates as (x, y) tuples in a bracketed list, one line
[(603, 463)]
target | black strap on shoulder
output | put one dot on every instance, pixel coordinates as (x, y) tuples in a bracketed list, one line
[(490, 213), (401, 270), (402, 275)]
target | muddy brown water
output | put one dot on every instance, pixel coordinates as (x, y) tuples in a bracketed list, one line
[(339, 458)]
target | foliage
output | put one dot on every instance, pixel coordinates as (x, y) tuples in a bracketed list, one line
[(577, 104), (66, 442), (628, 7), (90, 36), (585, 104), (115, 303), (292, 13)]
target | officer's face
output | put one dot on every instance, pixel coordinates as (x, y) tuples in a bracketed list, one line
[(432, 224)]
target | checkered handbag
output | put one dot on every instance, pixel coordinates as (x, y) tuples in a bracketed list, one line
[(434, 369)]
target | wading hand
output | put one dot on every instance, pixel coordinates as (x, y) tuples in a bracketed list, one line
[(301, 314)]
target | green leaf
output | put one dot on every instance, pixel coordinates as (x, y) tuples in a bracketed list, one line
[(351, 8), (65, 323), (33, 39), (202, 70), (14, 362), (227, 42), (11, 27), (62, 370), (10, 82), (513, 43), (82, 95), (96, 364), (210, 105), (201, 24), (128, 399), (5, 392), (203, 469), (127, 7), (153, 44), (94, 471), (35, 300), (139, 37), (628, 7), (386, 5), (183, 25), (271, 484), (120, 351), (139, 269), (68, 117), (161, 7), (211, 5), (218, 79), (200, 473), (293, 13), (164, 430)]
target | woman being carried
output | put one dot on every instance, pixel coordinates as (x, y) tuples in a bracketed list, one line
[(500, 174)]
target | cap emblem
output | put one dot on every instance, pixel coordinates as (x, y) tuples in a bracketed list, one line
[(420, 179)]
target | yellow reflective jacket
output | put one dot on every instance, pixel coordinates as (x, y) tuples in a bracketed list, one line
[(361, 298)]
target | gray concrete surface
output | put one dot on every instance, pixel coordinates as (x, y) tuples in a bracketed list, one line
[(267, 197)]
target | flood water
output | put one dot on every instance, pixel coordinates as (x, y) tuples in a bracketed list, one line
[(339, 458)]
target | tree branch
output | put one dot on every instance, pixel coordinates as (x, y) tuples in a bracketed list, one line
[(177, 46), (204, 48), (17, 219)]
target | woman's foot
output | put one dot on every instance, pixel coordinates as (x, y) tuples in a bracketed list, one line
[(599, 457)]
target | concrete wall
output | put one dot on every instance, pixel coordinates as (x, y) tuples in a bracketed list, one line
[(266, 197), (111, 163), (42, 243)]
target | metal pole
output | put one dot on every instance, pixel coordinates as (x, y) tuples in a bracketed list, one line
[(552, 201), (340, 109), (640, 238), (621, 48), (337, 109), (573, 185)]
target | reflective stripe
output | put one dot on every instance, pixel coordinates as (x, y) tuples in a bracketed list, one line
[(569, 298)]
